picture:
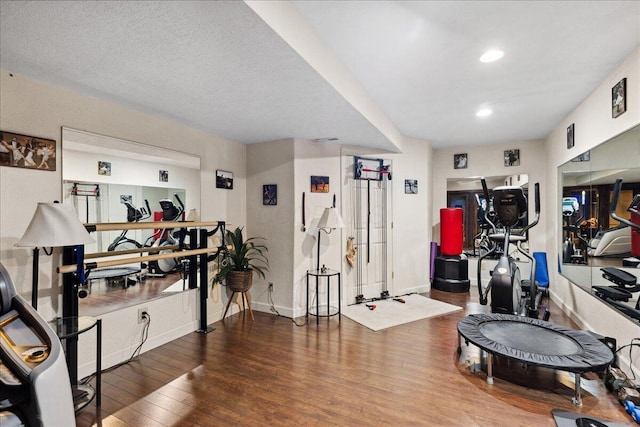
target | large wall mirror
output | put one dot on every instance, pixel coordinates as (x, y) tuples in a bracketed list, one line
[(112, 180), (591, 238)]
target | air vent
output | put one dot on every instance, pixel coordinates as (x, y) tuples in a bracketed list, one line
[(332, 139)]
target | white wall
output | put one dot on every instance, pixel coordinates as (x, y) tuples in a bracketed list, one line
[(593, 125), (273, 163), (39, 109)]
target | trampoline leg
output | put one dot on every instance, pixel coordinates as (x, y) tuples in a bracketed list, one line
[(489, 368), (577, 398)]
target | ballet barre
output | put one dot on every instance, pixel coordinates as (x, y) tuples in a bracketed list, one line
[(71, 268), (131, 251), (112, 226)]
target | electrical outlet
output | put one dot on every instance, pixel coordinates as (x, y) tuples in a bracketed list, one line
[(141, 317), (270, 286)]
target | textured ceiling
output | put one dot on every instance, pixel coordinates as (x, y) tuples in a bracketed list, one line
[(219, 67)]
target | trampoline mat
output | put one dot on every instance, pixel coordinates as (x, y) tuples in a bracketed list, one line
[(111, 272), (536, 342)]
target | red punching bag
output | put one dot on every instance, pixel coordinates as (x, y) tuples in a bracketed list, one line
[(451, 231)]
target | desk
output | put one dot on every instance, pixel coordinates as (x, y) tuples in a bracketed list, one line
[(70, 328), (328, 274)]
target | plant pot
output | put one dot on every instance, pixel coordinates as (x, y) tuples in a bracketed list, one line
[(239, 281)]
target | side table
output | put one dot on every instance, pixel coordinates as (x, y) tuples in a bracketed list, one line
[(69, 328), (330, 311)]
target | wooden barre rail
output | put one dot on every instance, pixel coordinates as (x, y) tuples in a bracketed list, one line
[(112, 226), (131, 251), (70, 268)]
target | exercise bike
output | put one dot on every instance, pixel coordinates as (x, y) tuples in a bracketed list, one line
[(509, 293), (166, 237)]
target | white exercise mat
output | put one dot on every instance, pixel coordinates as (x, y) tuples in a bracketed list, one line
[(389, 313)]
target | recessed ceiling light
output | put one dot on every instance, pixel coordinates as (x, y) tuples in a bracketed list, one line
[(491, 55), (484, 112)]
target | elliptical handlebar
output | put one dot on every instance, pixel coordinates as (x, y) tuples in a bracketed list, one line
[(614, 205), (485, 191), (179, 201)]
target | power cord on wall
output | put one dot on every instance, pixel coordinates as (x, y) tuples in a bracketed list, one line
[(632, 344), (145, 335), (275, 311)]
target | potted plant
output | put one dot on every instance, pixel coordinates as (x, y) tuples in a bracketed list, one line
[(241, 260)]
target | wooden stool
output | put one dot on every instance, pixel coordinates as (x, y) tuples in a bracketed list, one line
[(245, 296)]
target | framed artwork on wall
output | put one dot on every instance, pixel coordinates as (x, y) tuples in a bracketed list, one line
[(270, 194), (163, 176), (460, 161), (224, 179), (29, 152), (512, 157), (570, 135), (319, 184), (104, 168), (619, 98), (410, 186)]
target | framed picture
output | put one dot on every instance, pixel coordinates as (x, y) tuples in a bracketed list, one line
[(104, 168), (584, 157), (410, 186), (270, 194), (570, 135), (512, 157), (224, 179), (619, 98), (163, 176), (30, 152), (460, 161), (319, 184)]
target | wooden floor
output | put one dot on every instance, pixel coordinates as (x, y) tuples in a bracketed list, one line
[(270, 372)]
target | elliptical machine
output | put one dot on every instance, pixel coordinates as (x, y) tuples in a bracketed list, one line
[(509, 293)]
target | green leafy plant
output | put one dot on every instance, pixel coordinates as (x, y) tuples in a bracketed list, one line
[(243, 255)]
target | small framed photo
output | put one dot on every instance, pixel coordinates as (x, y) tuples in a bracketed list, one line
[(104, 168), (163, 176), (319, 184), (460, 161), (23, 151), (584, 157), (270, 194), (570, 135), (224, 179), (619, 98), (410, 186), (512, 157)]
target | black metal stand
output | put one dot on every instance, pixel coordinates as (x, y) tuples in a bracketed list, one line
[(204, 284)]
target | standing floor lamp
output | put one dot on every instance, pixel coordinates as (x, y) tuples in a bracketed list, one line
[(329, 221), (52, 225)]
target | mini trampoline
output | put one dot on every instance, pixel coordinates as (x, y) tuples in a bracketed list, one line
[(536, 342), (112, 273)]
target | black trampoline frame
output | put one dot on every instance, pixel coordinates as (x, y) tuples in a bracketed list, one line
[(593, 357)]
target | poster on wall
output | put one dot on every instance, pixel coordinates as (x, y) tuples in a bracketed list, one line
[(619, 98), (319, 184), (30, 152), (224, 179), (270, 194), (104, 168), (411, 186), (512, 157)]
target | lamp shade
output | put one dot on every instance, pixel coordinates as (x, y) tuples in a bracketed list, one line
[(54, 225), (330, 219)]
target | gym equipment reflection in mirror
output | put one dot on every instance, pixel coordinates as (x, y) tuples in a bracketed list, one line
[(596, 234)]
